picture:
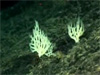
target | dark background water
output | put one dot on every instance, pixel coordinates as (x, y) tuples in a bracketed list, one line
[(8, 3)]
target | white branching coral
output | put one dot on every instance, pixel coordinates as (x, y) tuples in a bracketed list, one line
[(75, 30), (40, 42)]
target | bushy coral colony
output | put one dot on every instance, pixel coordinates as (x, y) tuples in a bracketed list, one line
[(40, 42)]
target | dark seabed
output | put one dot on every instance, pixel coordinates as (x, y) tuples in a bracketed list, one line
[(17, 20)]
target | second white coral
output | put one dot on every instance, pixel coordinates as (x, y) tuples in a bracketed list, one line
[(75, 30)]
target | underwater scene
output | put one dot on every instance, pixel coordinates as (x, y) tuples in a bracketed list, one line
[(50, 37)]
